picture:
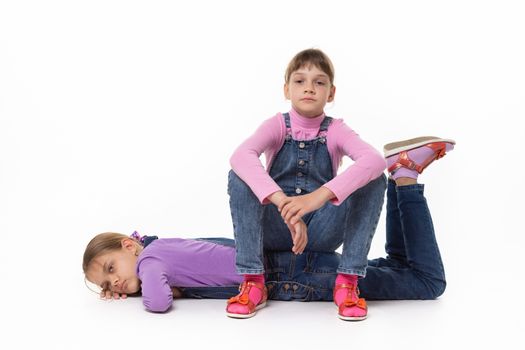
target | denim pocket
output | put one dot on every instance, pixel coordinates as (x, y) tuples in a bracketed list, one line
[(288, 291)]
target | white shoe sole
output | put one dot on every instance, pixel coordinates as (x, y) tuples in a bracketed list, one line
[(242, 316), (396, 147), (352, 318)]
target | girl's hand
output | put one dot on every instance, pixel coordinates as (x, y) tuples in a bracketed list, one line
[(299, 236), (108, 295), (294, 208), (176, 292)]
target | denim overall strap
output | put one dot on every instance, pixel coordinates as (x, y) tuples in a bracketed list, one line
[(325, 124), (148, 240)]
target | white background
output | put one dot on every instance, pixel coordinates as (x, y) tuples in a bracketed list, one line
[(122, 115)]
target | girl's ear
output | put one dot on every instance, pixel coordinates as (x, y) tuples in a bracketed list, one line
[(286, 92), (128, 244), (332, 94)]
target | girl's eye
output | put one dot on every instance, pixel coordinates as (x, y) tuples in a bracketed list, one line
[(110, 269), (321, 83), (298, 81)]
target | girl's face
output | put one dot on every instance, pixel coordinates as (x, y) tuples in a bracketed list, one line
[(116, 270), (309, 90)]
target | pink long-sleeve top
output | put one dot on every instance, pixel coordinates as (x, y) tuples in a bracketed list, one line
[(341, 141)]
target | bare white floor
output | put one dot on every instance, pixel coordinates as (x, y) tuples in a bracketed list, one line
[(79, 320)]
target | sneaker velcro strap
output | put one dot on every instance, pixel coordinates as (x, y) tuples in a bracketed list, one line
[(404, 161), (243, 297)]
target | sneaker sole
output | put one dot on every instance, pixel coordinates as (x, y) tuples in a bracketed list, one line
[(396, 147), (352, 318), (242, 316)]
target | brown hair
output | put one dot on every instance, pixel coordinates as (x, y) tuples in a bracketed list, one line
[(100, 244), (309, 57)]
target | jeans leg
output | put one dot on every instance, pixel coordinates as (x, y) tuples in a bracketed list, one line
[(224, 292), (277, 236), (422, 250), (395, 243), (421, 274), (247, 214), (352, 223)]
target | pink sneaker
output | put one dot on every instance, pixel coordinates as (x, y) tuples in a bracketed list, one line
[(351, 307), (410, 157), (246, 304)]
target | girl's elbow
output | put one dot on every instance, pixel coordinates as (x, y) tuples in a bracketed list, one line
[(232, 161), (158, 306), (235, 160), (376, 166), (379, 164)]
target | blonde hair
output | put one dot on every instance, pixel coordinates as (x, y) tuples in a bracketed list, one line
[(100, 244), (309, 57)]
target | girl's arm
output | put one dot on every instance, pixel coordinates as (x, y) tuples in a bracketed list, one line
[(368, 162), (176, 293), (157, 295), (245, 161)]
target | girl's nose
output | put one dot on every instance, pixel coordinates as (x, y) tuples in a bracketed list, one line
[(309, 88)]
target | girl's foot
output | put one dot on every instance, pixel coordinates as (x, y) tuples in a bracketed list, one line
[(252, 297), (346, 297), (409, 158)]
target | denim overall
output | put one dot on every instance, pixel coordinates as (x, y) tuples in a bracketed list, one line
[(301, 167), (413, 268)]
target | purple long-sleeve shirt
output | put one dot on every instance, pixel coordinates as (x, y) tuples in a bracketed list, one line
[(177, 262)]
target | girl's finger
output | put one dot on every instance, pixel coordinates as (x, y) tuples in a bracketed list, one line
[(303, 242), (297, 217), (283, 204), (284, 211), (291, 213), (297, 241)]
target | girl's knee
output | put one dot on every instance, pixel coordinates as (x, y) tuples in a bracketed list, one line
[(433, 289), (235, 183), (438, 288), (240, 193), (379, 184)]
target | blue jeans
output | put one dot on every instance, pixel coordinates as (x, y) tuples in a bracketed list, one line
[(412, 268), (352, 224)]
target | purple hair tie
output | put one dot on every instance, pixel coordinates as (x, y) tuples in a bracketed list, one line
[(136, 236)]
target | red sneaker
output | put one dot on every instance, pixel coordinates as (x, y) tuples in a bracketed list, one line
[(245, 304), (351, 307), (417, 153)]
